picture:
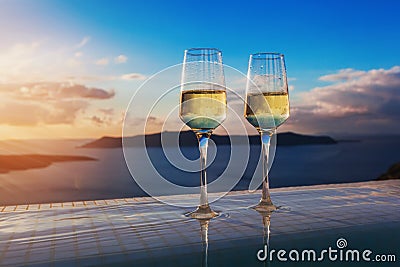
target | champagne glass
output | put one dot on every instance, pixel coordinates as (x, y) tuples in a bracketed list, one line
[(267, 107), (203, 108)]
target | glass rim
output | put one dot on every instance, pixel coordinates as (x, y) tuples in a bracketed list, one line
[(201, 51), (266, 55)]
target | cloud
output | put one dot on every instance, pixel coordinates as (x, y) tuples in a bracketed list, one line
[(102, 61), (107, 111), (16, 113), (101, 78), (35, 113), (52, 61), (133, 76), (342, 75), (50, 103), (97, 120), (357, 102), (152, 124), (78, 90), (65, 111), (83, 42), (154, 120), (54, 91), (117, 60), (120, 59), (89, 78), (104, 117)]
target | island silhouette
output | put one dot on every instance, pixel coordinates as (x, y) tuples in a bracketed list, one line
[(392, 173), (34, 161), (188, 138)]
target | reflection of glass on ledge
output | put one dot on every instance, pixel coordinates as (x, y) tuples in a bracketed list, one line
[(142, 231), (204, 240)]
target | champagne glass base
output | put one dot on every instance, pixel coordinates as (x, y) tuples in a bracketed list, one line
[(203, 213), (265, 206)]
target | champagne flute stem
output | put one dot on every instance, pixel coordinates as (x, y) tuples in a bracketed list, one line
[(203, 145), (265, 201)]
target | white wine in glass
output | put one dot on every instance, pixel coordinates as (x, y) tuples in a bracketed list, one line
[(203, 108), (267, 107)]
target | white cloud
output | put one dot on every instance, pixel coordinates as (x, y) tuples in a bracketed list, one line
[(120, 59), (342, 75), (97, 120), (61, 112), (102, 61), (357, 102), (78, 54), (133, 76), (83, 42), (107, 111), (48, 91), (48, 103)]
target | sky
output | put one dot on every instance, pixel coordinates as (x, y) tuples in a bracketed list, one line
[(69, 68)]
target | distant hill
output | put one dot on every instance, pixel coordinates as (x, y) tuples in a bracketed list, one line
[(34, 161), (188, 138), (392, 173)]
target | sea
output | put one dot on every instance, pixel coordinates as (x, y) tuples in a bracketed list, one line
[(356, 160)]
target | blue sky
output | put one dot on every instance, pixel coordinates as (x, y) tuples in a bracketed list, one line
[(318, 38), (315, 35)]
